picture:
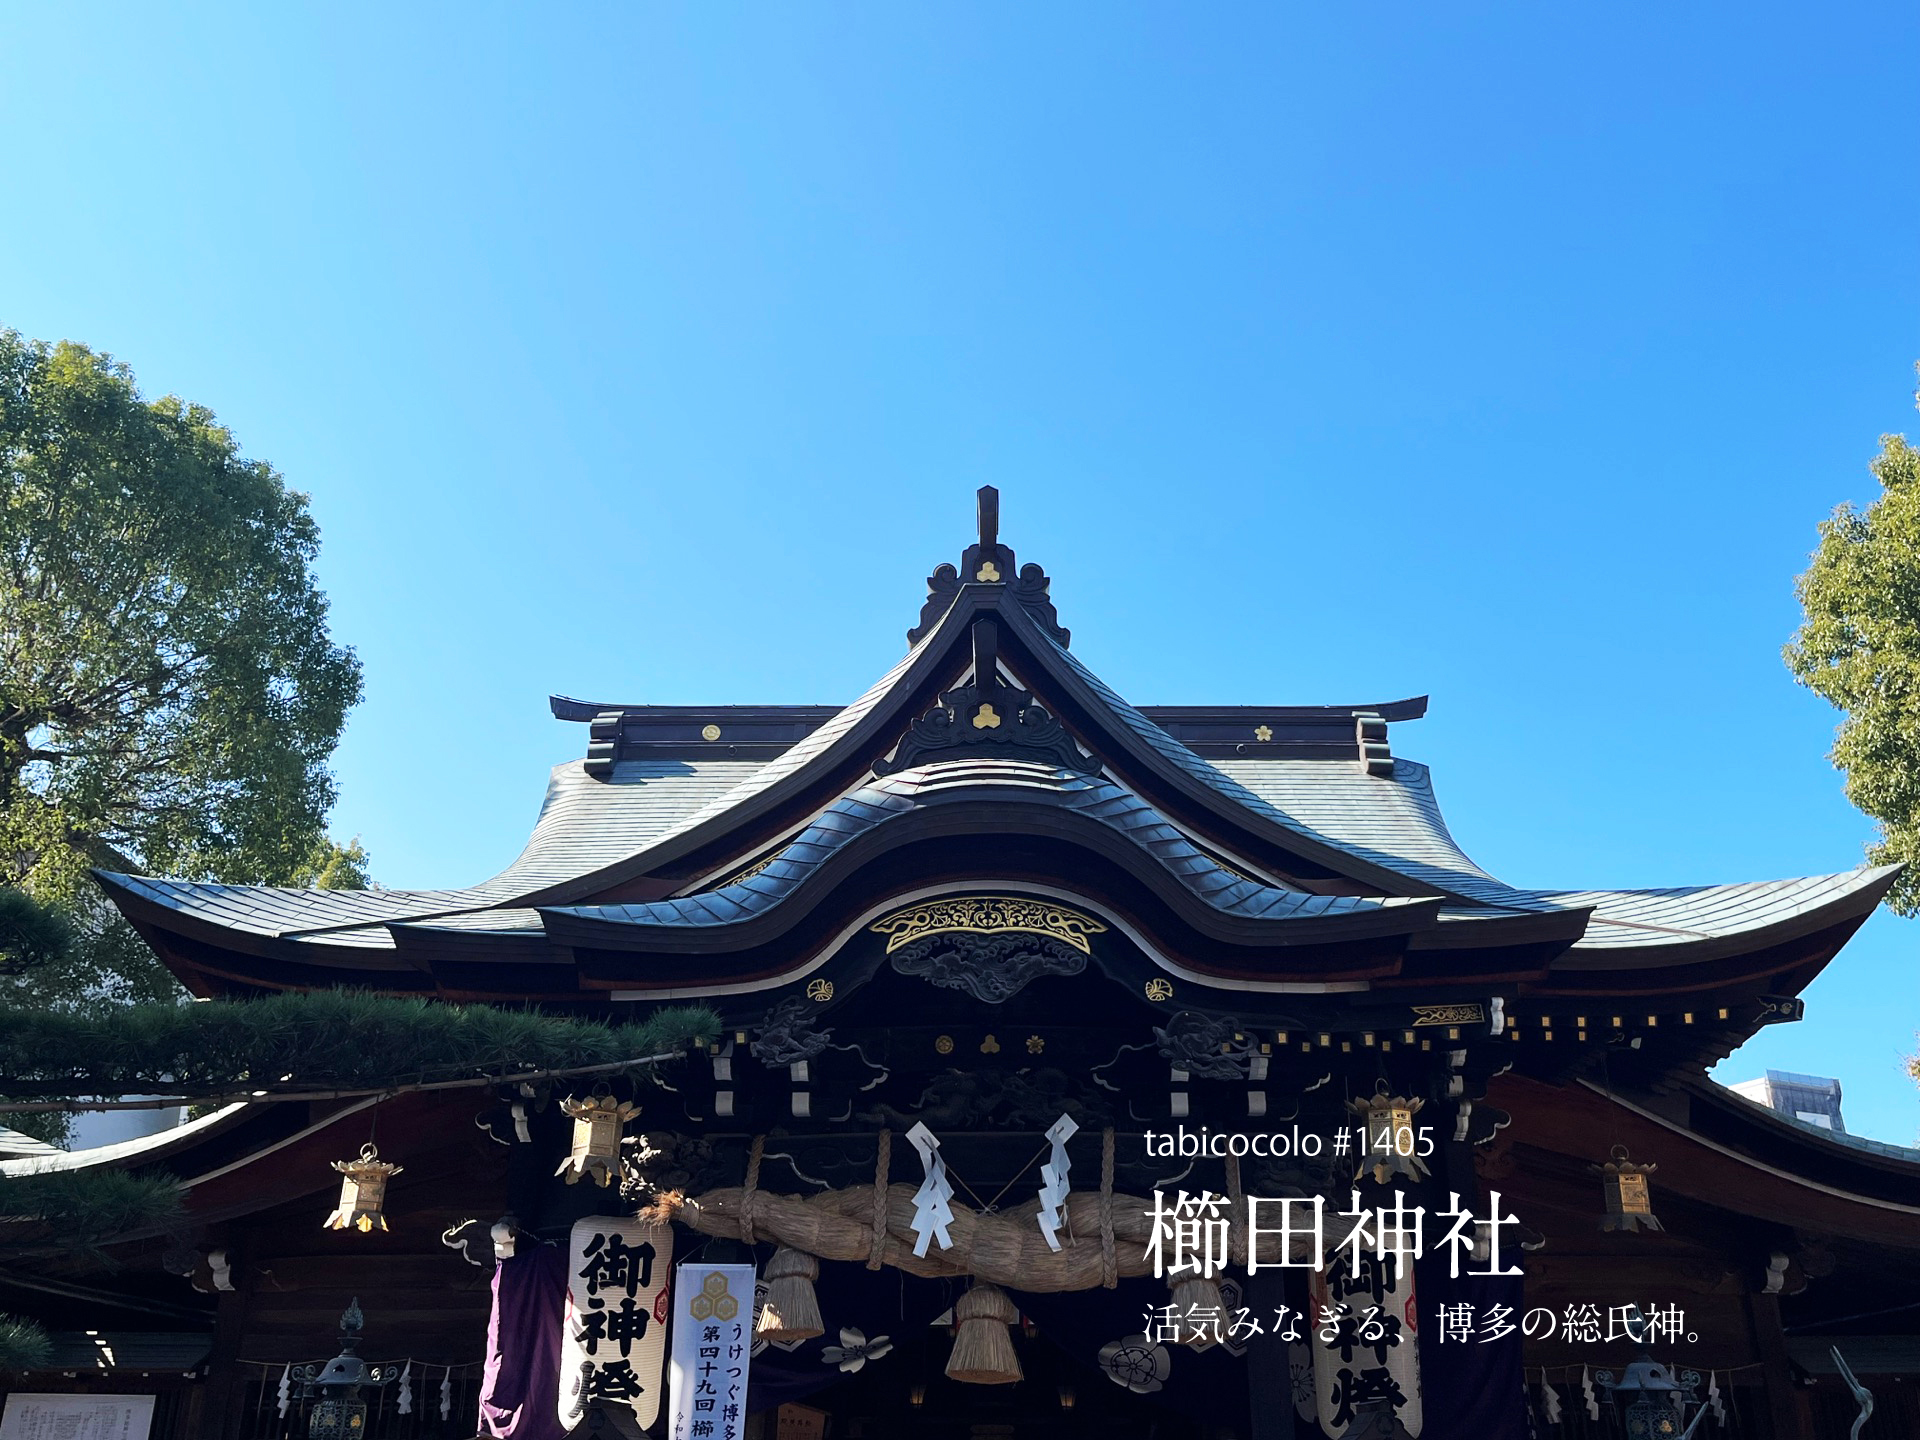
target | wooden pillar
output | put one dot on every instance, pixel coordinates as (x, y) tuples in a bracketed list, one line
[(221, 1412), (1789, 1409)]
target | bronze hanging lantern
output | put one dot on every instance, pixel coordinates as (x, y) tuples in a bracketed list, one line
[(363, 1191), (1391, 1144), (598, 1123), (1629, 1204)]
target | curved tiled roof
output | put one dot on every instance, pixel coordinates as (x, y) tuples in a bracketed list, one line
[(1374, 825), (140, 1148), (586, 823), (767, 774), (1397, 822), (1630, 918), (879, 800), (289, 912), (1394, 821)]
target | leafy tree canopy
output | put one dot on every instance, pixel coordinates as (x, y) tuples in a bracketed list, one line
[(169, 693), (1859, 647)]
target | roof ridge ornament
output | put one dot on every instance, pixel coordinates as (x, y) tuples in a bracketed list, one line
[(988, 562), (986, 716)]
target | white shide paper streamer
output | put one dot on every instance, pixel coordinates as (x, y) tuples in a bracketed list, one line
[(1053, 1179), (932, 1210)]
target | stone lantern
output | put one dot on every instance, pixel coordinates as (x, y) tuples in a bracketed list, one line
[(1652, 1403), (339, 1413)]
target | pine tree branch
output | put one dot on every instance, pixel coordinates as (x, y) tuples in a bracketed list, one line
[(322, 1044), (270, 1097)]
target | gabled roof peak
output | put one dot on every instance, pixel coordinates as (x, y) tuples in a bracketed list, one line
[(986, 715), (988, 562)]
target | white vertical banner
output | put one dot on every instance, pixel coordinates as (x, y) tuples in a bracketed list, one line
[(614, 1343), (712, 1345)]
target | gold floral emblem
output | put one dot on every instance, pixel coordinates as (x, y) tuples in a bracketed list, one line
[(820, 990), (1158, 989)]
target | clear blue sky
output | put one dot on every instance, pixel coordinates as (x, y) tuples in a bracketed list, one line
[(1507, 352)]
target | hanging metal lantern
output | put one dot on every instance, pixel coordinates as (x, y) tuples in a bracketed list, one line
[(363, 1191), (339, 1413), (597, 1124), (1629, 1203), (1391, 1143)]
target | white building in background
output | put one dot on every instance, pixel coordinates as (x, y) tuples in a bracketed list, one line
[(93, 1128), (1813, 1098)]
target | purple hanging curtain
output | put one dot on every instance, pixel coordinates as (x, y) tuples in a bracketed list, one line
[(520, 1393), (1473, 1391)]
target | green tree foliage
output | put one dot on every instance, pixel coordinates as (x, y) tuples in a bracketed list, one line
[(333, 867), (24, 1345), (32, 935), (75, 1212), (1859, 648), (169, 693), (324, 1039)]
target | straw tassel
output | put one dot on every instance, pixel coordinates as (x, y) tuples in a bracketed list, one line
[(791, 1310), (982, 1345)]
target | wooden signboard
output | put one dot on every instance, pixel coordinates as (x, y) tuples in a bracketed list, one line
[(799, 1422), (77, 1417)]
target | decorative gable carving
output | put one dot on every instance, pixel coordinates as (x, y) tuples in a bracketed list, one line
[(987, 716), (990, 946), (988, 562)]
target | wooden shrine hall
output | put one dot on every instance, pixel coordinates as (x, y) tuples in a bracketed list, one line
[(988, 945)]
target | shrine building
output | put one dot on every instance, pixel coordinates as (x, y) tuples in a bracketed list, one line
[(993, 952)]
